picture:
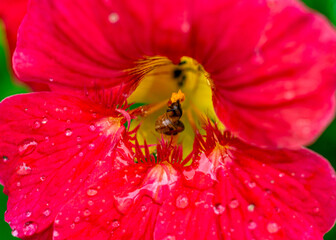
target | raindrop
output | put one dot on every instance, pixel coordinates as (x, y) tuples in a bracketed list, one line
[(55, 233), (68, 132), (251, 225), (143, 208), (77, 219), (92, 127), (23, 169), (90, 203), (79, 139), (182, 201), (219, 209), (91, 146), (170, 237), (28, 214), (115, 224), (251, 184), (113, 17), (37, 124), (234, 203), (251, 207), (42, 178), (272, 227), (4, 159), (91, 192), (86, 213), (281, 175), (44, 120), (46, 212), (316, 210), (72, 226), (27, 147), (29, 228), (15, 233)]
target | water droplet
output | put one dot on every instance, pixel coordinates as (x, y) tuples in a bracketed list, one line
[(170, 237), (91, 192), (272, 227), (79, 139), (28, 214), (115, 224), (90, 203), (72, 226), (113, 17), (43, 178), (92, 127), (27, 147), (44, 121), (219, 209), (4, 159), (46, 212), (68, 132), (234, 203), (252, 184), (251, 207), (15, 233), (316, 210), (51, 79), (23, 169), (77, 219), (29, 228), (86, 212), (251, 225), (281, 175), (143, 208), (55, 233), (182, 201), (37, 125), (91, 146)]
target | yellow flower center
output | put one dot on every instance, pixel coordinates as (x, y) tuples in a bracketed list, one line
[(163, 83)]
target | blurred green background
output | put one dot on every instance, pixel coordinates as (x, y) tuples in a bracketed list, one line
[(325, 145)]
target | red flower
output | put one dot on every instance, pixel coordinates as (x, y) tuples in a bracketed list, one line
[(272, 63), (72, 171)]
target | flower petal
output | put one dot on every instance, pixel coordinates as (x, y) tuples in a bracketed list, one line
[(236, 192), (283, 93), (51, 145)]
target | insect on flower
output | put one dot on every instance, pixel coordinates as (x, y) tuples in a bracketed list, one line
[(169, 123)]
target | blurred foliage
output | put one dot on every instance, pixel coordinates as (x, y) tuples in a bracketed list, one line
[(325, 145)]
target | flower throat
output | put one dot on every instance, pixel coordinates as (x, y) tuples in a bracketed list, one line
[(175, 101)]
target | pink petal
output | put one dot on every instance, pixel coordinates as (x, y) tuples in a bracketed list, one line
[(283, 94), (50, 146), (272, 62), (235, 191)]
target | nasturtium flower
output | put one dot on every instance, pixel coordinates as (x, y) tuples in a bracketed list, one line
[(237, 87)]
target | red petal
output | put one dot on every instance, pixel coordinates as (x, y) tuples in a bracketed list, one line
[(283, 93), (50, 146), (250, 193)]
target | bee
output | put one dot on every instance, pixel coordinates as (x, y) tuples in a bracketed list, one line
[(169, 123)]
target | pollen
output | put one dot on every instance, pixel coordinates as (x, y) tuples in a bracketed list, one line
[(179, 96)]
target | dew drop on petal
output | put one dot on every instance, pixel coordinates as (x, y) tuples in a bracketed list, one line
[(251, 225), (143, 208), (92, 127), (46, 212), (4, 159), (113, 17), (55, 233), (68, 132), (115, 224), (219, 209), (27, 147), (91, 146), (37, 125), (29, 228), (15, 233), (91, 192), (251, 207), (90, 202), (234, 203), (43, 178), (23, 169), (28, 213), (77, 219), (170, 237), (272, 227), (44, 120), (86, 212), (182, 201)]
